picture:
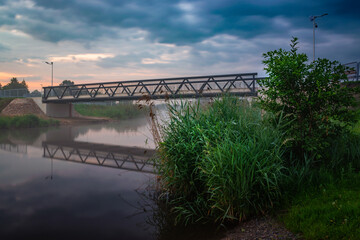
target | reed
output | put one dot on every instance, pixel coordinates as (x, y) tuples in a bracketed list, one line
[(220, 163)]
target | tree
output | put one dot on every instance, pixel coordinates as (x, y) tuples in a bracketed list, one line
[(35, 93), (67, 86), (67, 83), (0, 86), (310, 95), (23, 83), (14, 84)]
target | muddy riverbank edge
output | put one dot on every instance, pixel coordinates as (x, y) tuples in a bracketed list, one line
[(25, 106), (83, 120)]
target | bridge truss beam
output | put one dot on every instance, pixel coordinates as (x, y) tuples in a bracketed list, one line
[(243, 84), (127, 158)]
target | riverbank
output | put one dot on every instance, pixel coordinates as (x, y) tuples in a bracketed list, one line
[(120, 111), (83, 120), (228, 164), (26, 121), (24, 112), (262, 227)]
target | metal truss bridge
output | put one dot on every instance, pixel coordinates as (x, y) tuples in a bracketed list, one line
[(127, 158), (242, 84)]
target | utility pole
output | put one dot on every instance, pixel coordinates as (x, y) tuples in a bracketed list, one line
[(52, 71), (312, 19)]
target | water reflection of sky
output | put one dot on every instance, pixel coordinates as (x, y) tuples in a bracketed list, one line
[(81, 201), (140, 137), (133, 132)]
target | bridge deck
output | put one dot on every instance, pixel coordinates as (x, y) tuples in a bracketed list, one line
[(243, 84)]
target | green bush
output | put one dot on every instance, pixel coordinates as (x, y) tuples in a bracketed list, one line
[(220, 163), (312, 98)]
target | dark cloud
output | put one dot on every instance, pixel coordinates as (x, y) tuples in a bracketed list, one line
[(181, 22), (215, 31)]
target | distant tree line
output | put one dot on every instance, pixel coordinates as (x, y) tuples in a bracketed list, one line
[(15, 84)]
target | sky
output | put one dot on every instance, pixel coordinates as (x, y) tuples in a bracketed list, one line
[(114, 40)]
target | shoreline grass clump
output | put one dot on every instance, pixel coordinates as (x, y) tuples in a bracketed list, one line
[(220, 164), (126, 110), (26, 121)]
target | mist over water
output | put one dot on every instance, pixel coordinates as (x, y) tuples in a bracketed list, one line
[(73, 194), (85, 181)]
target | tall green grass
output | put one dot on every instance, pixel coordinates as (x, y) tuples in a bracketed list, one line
[(222, 163), (26, 121), (118, 111)]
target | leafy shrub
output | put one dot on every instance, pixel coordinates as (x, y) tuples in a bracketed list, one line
[(311, 96), (221, 163)]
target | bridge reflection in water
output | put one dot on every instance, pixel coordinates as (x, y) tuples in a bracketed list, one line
[(16, 148), (122, 157)]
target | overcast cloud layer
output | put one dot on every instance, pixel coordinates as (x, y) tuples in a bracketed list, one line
[(109, 40)]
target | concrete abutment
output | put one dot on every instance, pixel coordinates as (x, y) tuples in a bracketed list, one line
[(60, 110)]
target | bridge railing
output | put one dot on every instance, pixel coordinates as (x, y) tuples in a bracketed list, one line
[(13, 148), (201, 86), (353, 71), (21, 92)]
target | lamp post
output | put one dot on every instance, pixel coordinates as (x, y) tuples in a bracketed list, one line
[(312, 19), (52, 71)]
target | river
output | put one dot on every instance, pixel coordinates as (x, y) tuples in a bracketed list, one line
[(91, 181), (64, 183)]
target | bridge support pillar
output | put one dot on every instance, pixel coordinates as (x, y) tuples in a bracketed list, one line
[(59, 110)]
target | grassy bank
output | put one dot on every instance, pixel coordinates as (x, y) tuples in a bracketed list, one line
[(4, 102), (118, 111), (326, 204), (27, 121), (330, 210)]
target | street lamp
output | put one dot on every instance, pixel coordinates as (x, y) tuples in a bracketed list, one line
[(52, 71), (312, 19)]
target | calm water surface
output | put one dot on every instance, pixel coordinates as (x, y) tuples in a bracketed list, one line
[(53, 183)]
